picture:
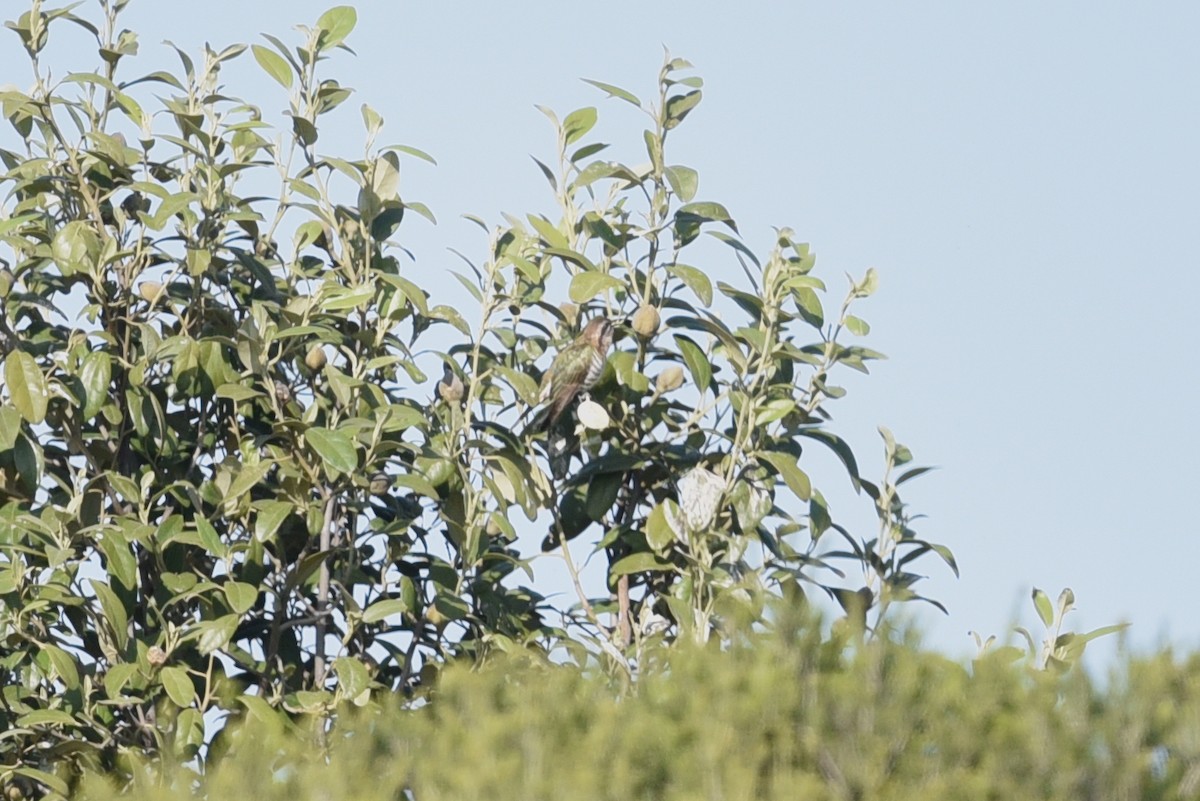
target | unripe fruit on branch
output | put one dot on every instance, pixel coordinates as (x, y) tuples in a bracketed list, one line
[(150, 291), (645, 321), (669, 380), (315, 358)]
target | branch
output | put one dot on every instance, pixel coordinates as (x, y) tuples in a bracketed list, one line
[(323, 592)]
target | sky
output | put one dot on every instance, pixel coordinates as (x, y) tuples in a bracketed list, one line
[(1022, 175)]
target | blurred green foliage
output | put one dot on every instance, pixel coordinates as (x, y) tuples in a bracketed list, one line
[(782, 715)]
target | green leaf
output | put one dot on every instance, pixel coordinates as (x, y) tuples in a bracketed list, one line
[(573, 257), (1045, 609), (386, 608), (737, 245), (241, 596), (237, 392), (615, 91), (10, 427), (587, 150), (839, 446), (857, 326), (793, 476), (352, 675), (624, 364), (75, 248), (46, 717), (707, 212), (697, 363), (751, 505), (546, 171), (659, 534), (909, 475), (578, 123), (524, 386), (412, 151), (602, 493), (216, 634), (809, 306), (679, 106), (26, 386), (868, 285), (548, 232), (30, 462), (210, 538), (585, 286), (121, 562), (653, 149), (684, 182), (416, 483), (340, 298), (95, 374), (304, 130), (773, 410), (336, 23), (385, 178), (642, 562), (270, 517), (55, 783), (1103, 631), (117, 677), (335, 448), (114, 612), (64, 665), (451, 606), (178, 684), (273, 64), (247, 478)]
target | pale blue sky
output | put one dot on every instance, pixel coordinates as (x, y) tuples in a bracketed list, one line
[(1023, 175)]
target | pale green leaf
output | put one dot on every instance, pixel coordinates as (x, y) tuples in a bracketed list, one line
[(335, 448), (857, 326), (578, 123), (273, 64), (26, 386), (241, 596), (337, 23), (10, 427), (64, 665), (796, 479), (352, 676), (380, 610), (216, 634), (695, 279), (114, 611), (684, 182), (585, 286), (659, 533), (178, 684), (641, 562), (248, 477), (1045, 609), (615, 91), (75, 248), (270, 516), (95, 374)]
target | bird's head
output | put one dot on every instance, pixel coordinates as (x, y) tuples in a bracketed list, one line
[(599, 333)]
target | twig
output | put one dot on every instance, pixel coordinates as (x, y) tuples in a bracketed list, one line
[(323, 593)]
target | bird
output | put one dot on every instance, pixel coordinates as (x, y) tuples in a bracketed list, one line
[(450, 388), (575, 369)]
